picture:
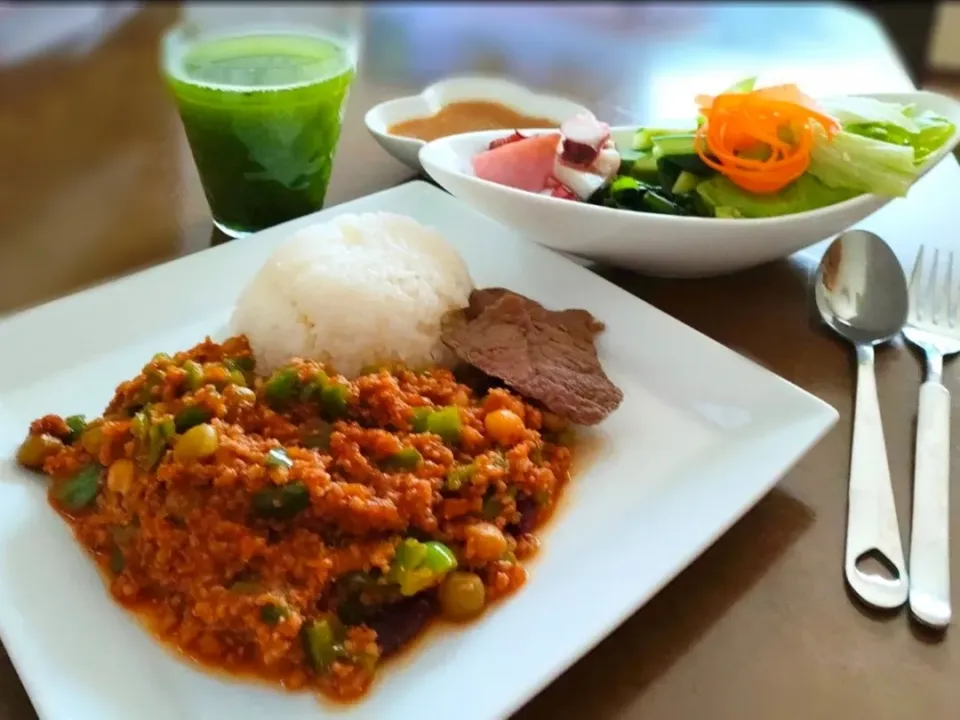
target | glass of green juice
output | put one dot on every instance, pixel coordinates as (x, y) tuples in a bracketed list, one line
[(262, 106)]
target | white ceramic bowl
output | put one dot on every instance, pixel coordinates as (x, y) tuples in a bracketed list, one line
[(431, 100), (656, 244)]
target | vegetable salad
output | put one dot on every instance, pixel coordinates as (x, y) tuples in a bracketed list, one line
[(754, 153), (775, 151)]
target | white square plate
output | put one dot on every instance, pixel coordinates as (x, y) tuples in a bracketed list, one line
[(702, 435)]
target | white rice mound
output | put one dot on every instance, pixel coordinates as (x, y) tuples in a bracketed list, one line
[(359, 290)]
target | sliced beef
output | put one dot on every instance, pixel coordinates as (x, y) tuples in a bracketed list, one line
[(578, 322), (544, 355)]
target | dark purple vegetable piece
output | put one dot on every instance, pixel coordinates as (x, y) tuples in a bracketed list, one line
[(527, 508), (400, 622)]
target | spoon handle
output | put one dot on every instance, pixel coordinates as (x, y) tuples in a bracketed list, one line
[(872, 528), (929, 535)]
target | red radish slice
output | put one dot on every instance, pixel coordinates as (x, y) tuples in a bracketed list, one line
[(564, 193), (525, 164), (557, 189), (494, 144)]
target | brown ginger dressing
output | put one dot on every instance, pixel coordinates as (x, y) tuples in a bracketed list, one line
[(468, 116)]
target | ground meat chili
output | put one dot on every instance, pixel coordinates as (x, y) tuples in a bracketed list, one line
[(301, 527)]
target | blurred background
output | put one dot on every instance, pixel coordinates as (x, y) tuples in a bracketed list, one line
[(105, 183), (927, 34)]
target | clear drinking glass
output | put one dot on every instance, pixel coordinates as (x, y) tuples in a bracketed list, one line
[(261, 91)]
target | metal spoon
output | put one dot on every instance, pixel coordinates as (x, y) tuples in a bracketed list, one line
[(861, 292)]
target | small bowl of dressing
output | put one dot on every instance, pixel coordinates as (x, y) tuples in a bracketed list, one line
[(460, 105)]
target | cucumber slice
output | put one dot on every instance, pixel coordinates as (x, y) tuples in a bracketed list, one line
[(678, 144), (640, 165), (643, 137), (686, 182)]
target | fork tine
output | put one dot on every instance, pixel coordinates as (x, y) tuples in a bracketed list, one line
[(916, 276), (944, 290), (953, 293), (949, 296), (943, 285), (932, 295)]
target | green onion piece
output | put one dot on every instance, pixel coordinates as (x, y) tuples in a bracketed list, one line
[(245, 363), (406, 459), (236, 377), (277, 457), (446, 424), (81, 490), (281, 503), (418, 418), (77, 424), (190, 416), (117, 561), (194, 374), (140, 425), (438, 559), (313, 389), (491, 509), (245, 587), (281, 388), (334, 401), (316, 436), (408, 556), (417, 566), (459, 476), (322, 642), (272, 614)]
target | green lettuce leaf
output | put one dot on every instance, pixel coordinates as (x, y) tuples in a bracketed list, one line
[(882, 147), (933, 132), (852, 110), (856, 162), (743, 86), (805, 193)]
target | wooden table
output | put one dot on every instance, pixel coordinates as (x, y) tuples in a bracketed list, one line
[(97, 181)]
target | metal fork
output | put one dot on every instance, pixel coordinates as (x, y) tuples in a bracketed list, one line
[(933, 325)]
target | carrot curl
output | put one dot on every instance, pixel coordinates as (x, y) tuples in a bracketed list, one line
[(760, 140)]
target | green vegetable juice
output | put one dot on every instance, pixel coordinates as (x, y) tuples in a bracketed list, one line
[(262, 113)]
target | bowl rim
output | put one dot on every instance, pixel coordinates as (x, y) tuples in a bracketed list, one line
[(429, 166), (378, 128), (864, 199)]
